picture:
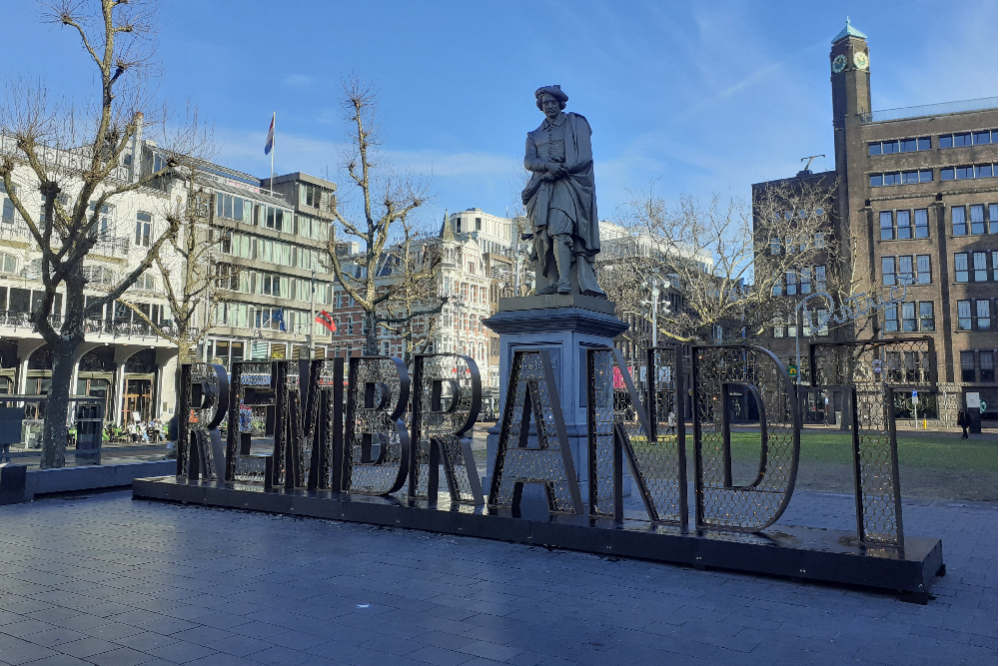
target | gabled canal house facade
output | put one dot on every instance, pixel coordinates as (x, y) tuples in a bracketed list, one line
[(917, 196), (271, 241)]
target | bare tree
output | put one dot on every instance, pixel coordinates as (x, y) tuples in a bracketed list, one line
[(708, 255), (73, 155), (386, 205), (411, 309)]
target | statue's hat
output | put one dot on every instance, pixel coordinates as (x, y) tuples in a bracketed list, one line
[(555, 91)]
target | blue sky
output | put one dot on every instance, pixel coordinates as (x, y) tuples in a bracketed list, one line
[(697, 97)]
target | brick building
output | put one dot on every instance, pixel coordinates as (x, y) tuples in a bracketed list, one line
[(917, 194)]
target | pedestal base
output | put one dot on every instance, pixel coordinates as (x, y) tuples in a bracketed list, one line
[(566, 331)]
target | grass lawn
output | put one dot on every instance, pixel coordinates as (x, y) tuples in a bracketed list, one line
[(945, 451)]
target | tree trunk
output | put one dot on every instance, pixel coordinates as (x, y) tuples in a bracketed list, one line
[(64, 346), (57, 406), (371, 334)]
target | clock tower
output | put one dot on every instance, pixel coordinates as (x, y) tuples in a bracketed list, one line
[(849, 75)]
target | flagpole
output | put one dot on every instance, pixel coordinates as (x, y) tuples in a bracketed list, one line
[(274, 118)]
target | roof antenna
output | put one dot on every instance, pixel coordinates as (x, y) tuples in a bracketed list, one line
[(806, 170)]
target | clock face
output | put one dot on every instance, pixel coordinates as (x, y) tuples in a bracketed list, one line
[(861, 60), (839, 63)]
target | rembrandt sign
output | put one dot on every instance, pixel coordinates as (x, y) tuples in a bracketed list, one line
[(374, 448)]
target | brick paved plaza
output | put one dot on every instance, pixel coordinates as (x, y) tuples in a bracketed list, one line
[(111, 581)]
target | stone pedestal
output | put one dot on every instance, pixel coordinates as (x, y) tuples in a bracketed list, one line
[(565, 326)]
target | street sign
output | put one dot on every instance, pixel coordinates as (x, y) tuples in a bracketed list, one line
[(982, 406), (913, 397), (792, 371)]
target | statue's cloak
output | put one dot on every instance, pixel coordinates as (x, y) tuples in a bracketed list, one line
[(574, 195)]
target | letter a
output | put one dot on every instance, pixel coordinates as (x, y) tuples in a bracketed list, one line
[(532, 388)]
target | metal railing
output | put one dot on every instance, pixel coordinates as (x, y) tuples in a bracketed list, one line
[(94, 326), (964, 106)]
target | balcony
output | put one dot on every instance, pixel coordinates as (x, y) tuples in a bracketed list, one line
[(14, 227)]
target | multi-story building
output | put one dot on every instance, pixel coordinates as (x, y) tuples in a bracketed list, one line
[(917, 194), (267, 257), (272, 266), (122, 360)]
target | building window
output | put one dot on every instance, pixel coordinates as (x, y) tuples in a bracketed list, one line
[(143, 229), (899, 146), (979, 266), (885, 225), (926, 316), (819, 240), (969, 171), (791, 283), (921, 229), (891, 319), (822, 318), (983, 320), (968, 362), (909, 317), (977, 222), (923, 269), (905, 270), (963, 139), (903, 229), (958, 227), (987, 372), (775, 246), (888, 271), (104, 225), (961, 267), (901, 177), (8, 263), (965, 315), (805, 281), (820, 278)]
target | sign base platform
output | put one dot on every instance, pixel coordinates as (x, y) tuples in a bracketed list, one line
[(803, 553)]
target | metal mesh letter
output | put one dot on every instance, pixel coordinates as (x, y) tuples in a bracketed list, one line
[(718, 502), (619, 422), (532, 389), (377, 445), (446, 401), (203, 406)]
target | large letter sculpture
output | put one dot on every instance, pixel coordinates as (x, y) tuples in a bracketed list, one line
[(203, 402), (618, 422), (377, 446), (252, 390), (532, 389), (325, 424), (446, 398), (719, 502), (870, 373)]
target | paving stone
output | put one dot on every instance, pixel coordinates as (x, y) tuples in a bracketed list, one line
[(153, 583)]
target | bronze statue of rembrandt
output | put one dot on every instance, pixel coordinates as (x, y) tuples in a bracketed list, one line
[(560, 199)]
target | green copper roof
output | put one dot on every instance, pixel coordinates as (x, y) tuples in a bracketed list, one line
[(849, 31)]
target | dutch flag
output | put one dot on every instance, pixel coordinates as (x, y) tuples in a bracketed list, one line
[(270, 138)]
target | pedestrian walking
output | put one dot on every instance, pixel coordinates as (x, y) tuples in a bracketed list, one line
[(671, 423), (4, 451), (964, 421)]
